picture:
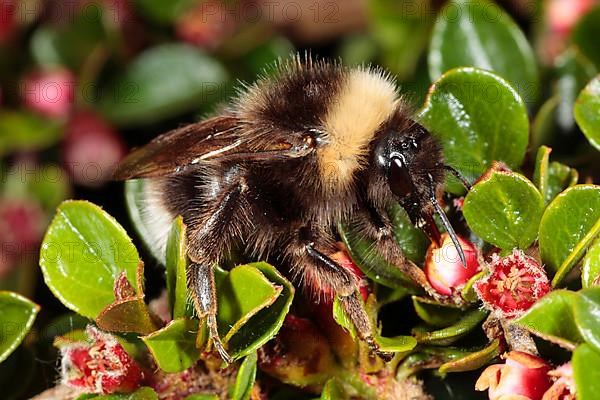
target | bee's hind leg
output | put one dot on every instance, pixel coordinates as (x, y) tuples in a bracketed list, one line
[(201, 282)]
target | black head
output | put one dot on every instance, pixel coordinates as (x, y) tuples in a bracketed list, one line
[(409, 163)]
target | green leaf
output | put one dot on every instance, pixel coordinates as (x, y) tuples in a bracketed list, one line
[(396, 344), (341, 317), (135, 202), (586, 374), (174, 346), (373, 265), (265, 324), (587, 112), (23, 131), (472, 361), (333, 390), (504, 209), (127, 315), (568, 226), (479, 33), (82, 254), (585, 35), (590, 267), (244, 381), (163, 82), (552, 319), (428, 357), (163, 12), (446, 336), (176, 268), (478, 118), (586, 307), (143, 393), (551, 178), (434, 313), (16, 319), (411, 240)]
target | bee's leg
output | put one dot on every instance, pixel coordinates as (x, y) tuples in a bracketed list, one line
[(341, 282), (208, 239)]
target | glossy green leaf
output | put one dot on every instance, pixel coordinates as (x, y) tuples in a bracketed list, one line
[(586, 33), (587, 376), (586, 307), (176, 269), (373, 265), (411, 240), (504, 209), (135, 202), (479, 33), (82, 254), (552, 319), (568, 226), (587, 112), (240, 295), (17, 314), (27, 132), (590, 266), (551, 178), (127, 315), (333, 390), (472, 361), (434, 313), (174, 346), (396, 344), (479, 118), (244, 381), (162, 82), (449, 335), (265, 324)]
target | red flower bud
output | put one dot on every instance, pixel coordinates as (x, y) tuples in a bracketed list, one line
[(513, 285), (444, 269), (91, 149), (102, 366), (49, 92), (207, 25), (522, 376)]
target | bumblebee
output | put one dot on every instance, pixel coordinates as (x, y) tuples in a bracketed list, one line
[(274, 173)]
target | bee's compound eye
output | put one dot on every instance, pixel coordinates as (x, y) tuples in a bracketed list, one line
[(399, 178)]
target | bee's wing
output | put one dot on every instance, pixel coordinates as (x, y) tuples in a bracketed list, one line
[(222, 138)]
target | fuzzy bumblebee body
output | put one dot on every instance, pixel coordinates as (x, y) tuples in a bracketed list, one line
[(275, 173)]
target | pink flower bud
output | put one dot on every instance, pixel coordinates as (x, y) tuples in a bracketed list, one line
[(444, 269), (49, 92), (522, 376), (91, 149), (102, 366), (562, 15), (514, 284), (207, 25), (563, 387)]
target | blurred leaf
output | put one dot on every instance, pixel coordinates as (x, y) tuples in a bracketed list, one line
[(162, 82), (202, 397), (163, 12), (587, 112), (568, 226), (21, 131), (176, 269), (135, 202), (479, 33), (586, 33), (586, 307), (479, 118), (357, 49), (573, 72), (587, 376), (83, 253), (373, 265), (174, 346), (143, 393), (504, 209), (262, 58), (434, 313), (543, 128), (244, 381), (17, 373), (411, 240), (265, 323), (552, 319), (333, 390), (51, 187), (16, 319), (472, 361), (446, 336), (590, 267)]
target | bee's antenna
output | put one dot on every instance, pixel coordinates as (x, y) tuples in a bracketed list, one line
[(458, 176), (446, 223)]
